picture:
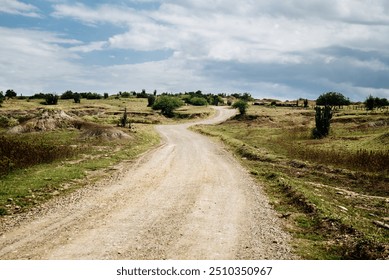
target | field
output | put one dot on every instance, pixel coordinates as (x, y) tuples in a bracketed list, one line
[(332, 193), (70, 145)]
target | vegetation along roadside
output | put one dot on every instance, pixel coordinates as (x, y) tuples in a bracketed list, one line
[(332, 193)]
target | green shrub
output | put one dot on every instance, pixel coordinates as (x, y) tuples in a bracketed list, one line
[(123, 119), (167, 104), (77, 98), (151, 100), (198, 101), (67, 95), (241, 106), (332, 99), (322, 120), (375, 102), (51, 99)]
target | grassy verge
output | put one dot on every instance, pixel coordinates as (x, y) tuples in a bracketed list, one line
[(26, 187), (334, 209)]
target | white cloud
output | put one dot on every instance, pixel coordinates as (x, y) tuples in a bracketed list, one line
[(18, 8), (288, 36), (33, 61), (102, 14)]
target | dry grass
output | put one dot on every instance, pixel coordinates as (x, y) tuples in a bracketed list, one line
[(330, 192)]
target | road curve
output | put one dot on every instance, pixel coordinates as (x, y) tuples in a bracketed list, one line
[(187, 199)]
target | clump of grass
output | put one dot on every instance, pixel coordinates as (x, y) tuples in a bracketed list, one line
[(17, 153), (361, 160)]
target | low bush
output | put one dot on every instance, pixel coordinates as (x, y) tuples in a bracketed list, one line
[(16, 154), (167, 104)]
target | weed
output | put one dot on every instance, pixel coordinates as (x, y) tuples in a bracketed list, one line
[(16, 153)]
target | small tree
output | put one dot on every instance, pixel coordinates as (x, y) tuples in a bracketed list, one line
[(105, 95), (51, 99), (332, 99), (241, 106), (10, 93), (375, 102), (305, 103), (77, 97), (67, 95), (151, 100), (322, 120), (167, 104), (123, 120)]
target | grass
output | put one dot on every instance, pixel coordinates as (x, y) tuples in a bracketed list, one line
[(328, 191), (26, 187), (40, 165)]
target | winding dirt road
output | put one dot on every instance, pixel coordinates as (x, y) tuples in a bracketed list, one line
[(187, 199)]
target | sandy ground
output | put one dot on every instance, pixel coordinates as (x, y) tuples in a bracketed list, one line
[(187, 199)]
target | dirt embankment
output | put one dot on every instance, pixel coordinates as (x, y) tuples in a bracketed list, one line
[(188, 199)]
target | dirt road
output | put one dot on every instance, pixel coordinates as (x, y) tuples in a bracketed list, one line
[(188, 199)]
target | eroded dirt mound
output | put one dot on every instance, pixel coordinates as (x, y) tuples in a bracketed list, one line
[(92, 130), (57, 119), (46, 121)]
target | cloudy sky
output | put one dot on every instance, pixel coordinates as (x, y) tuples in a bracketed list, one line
[(281, 48)]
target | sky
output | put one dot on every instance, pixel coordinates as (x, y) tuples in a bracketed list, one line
[(284, 49)]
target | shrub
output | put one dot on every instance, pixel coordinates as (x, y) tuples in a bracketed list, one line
[(15, 154), (51, 99), (375, 102), (67, 95), (10, 93), (123, 119), (322, 120), (142, 94), (90, 95), (151, 100), (167, 104), (125, 94), (198, 101), (332, 99), (241, 106), (77, 98), (105, 95)]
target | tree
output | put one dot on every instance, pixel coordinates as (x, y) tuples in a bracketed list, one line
[(151, 100), (123, 120), (322, 120), (1, 98), (106, 95), (51, 99), (67, 95), (332, 99), (167, 104), (369, 103), (198, 101), (305, 103), (375, 102), (10, 93), (242, 106), (77, 97)]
